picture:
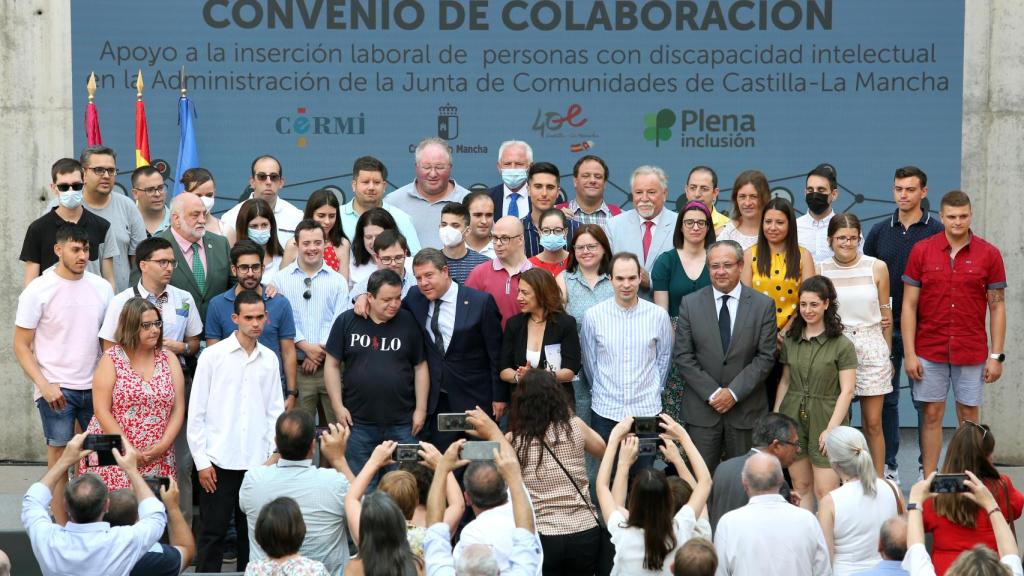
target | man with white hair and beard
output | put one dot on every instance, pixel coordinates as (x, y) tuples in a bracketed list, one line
[(647, 229)]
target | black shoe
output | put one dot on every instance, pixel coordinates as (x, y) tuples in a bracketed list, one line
[(230, 553)]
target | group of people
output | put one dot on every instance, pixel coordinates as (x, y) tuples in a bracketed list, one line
[(219, 344)]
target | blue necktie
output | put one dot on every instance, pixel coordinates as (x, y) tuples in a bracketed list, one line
[(513, 207)]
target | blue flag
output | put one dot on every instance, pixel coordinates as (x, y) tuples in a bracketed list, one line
[(188, 154)]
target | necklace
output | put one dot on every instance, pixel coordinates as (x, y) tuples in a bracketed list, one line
[(541, 321)]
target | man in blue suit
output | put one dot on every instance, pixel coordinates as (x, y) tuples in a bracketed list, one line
[(510, 197), (462, 327)]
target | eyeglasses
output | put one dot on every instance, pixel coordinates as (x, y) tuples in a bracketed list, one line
[(846, 239), (727, 266), (172, 264), (263, 176), (103, 171), (502, 240), (586, 247), (154, 190), (247, 268), (309, 285), (793, 444), (696, 224), (65, 187), (153, 324), (389, 260), (434, 168), (555, 231)]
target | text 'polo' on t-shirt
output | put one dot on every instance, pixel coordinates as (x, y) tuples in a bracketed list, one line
[(66, 316), (379, 363)]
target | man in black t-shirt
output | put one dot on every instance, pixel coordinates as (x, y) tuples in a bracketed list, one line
[(376, 371), (68, 181)]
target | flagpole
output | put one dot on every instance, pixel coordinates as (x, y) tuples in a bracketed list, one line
[(92, 119)]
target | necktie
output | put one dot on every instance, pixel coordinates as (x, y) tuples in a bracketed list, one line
[(435, 326), (198, 272), (647, 238), (724, 321), (161, 300), (513, 205)]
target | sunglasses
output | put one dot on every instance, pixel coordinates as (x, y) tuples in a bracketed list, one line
[(65, 187), (309, 284), (262, 176)]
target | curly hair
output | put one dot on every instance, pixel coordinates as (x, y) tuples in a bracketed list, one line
[(539, 404), (823, 288)]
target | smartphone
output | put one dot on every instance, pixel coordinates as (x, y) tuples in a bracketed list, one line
[(102, 445), (478, 450), (155, 482), (408, 453), (645, 425), (649, 446), (453, 422), (320, 431), (949, 484)]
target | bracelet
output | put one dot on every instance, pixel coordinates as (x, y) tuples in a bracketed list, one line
[(996, 509)]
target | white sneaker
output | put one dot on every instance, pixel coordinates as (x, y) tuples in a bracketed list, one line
[(892, 475), (920, 473)]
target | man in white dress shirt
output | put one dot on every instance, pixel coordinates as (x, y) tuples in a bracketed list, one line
[(820, 193), (770, 536), (267, 180), (235, 402)]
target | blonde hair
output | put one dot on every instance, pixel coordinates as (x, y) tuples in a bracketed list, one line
[(402, 488), (849, 455), (130, 321), (978, 561)]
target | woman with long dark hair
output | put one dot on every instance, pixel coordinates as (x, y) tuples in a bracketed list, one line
[(323, 208), (750, 193), (818, 378), (383, 545), (256, 219), (370, 224), (199, 181), (645, 532), (956, 523), (550, 444)]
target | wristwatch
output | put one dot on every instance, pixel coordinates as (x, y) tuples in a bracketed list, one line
[(913, 506), (292, 393), (1000, 357)]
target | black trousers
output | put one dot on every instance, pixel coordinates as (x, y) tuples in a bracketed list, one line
[(571, 554), (215, 511)]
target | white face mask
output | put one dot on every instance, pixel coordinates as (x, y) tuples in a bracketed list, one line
[(450, 237), (207, 202)]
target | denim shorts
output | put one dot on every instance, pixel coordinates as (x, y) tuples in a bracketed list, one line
[(966, 382), (59, 427)]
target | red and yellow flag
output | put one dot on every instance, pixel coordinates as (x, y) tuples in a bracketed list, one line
[(141, 128), (92, 116)]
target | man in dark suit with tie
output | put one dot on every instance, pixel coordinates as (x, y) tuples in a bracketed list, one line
[(510, 197), (724, 350), (462, 327)]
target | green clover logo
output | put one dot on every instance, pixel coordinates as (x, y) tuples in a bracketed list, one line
[(658, 125)]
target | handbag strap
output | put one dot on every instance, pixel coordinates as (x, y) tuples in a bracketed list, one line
[(900, 508), (573, 482)]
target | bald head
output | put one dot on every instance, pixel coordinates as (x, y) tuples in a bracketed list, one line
[(188, 216), (508, 225), (892, 539), (511, 252), (762, 474)]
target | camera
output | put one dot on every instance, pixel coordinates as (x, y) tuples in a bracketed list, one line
[(645, 425), (453, 422), (408, 453)]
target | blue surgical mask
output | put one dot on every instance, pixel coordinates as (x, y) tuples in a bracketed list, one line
[(513, 177), (71, 199), (260, 237), (552, 242)]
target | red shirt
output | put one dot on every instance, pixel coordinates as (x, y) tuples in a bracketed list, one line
[(492, 278), (953, 302), (553, 267), (950, 539)]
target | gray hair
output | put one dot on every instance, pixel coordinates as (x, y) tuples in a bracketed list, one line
[(476, 560), (849, 455), (511, 143), (180, 201), (892, 538), (430, 256), (771, 427), (648, 169), (762, 474), (432, 141), (727, 244)]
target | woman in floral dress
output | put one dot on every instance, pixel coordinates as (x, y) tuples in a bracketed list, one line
[(138, 392)]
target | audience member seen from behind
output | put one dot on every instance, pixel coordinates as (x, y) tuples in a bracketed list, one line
[(383, 544), (586, 281), (862, 290), (199, 181), (679, 272), (852, 514), (424, 474), (542, 335), (695, 558), (162, 559), (551, 443), (323, 208), (892, 547), (956, 523), (280, 531), (553, 257), (816, 388), (139, 391), (978, 560), (644, 532)]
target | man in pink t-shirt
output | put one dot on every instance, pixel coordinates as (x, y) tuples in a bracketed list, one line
[(57, 344)]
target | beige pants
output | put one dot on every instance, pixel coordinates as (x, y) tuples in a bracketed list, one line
[(311, 390)]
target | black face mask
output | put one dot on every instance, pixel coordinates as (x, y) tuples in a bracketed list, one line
[(817, 202)]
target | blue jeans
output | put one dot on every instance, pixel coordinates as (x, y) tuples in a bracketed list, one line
[(603, 426), (366, 437), (891, 407), (59, 427)]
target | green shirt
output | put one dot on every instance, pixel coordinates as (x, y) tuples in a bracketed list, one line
[(668, 275), (814, 366)]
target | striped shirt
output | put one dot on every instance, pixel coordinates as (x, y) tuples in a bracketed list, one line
[(626, 353), (328, 298), (460, 268)]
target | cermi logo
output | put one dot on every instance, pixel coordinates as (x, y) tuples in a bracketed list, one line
[(304, 125)]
